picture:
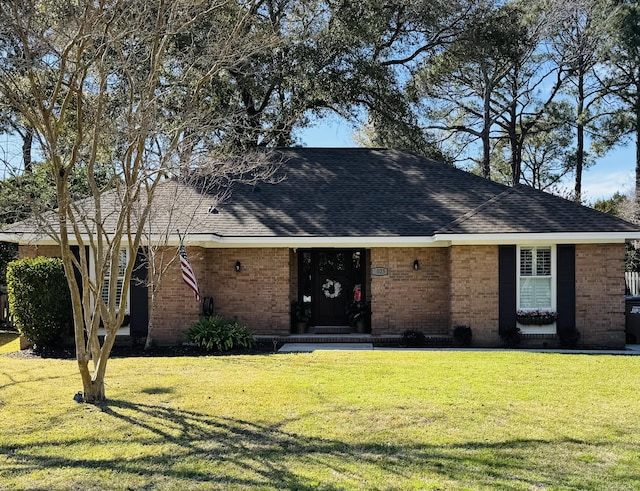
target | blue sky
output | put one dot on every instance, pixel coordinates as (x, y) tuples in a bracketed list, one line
[(611, 173)]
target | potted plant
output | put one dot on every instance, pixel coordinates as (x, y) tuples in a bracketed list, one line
[(359, 314), (300, 316)]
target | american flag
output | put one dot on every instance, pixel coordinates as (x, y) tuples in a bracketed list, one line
[(188, 275)]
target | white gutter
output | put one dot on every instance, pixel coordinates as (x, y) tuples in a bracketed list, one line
[(438, 240)]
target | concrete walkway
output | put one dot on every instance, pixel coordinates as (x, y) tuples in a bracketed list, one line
[(631, 349)]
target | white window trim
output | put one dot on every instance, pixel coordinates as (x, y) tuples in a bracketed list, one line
[(94, 275), (548, 328)]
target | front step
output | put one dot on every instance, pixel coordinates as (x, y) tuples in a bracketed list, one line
[(330, 330), (431, 340)]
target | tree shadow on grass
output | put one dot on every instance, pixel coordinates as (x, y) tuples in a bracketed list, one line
[(189, 449)]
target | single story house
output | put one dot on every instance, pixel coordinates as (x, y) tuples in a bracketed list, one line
[(431, 247)]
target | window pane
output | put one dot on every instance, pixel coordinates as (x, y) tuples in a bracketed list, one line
[(122, 262), (122, 265), (105, 290), (526, 262), (543, 262), (535, 293)]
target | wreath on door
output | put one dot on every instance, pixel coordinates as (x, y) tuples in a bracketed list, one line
[(331, 288)]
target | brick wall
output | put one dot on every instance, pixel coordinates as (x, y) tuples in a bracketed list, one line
[(175, 305), (31, 251), (454, 286), (600, 294), (408, 299), (258, 296), (474, 291)]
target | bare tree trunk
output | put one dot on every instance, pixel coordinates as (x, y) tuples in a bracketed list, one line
[(150, 341), (516, 158), (93, 389), (486, 128), (637, 192), (27, 144), (580, 144)]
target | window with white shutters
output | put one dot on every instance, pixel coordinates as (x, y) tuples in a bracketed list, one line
[(123, 260), (122, 265), (536, 278)]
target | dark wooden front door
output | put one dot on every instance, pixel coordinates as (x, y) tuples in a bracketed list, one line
[(332, 288), (328, 278)]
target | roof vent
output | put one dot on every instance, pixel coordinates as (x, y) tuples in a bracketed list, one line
[(213, 210)]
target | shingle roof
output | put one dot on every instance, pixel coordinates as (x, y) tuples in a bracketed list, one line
[(359, 192), (355, 192)]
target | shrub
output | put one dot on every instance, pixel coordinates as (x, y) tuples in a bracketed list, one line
[(39, 300), (413, 338), (511, 336), (462, 335), (569, 337), (218, 333)]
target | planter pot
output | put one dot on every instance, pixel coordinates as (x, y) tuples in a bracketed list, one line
[(362, 326), (300, 327)]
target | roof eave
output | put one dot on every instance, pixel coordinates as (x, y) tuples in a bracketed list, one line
[(437, 240), (539, 238)]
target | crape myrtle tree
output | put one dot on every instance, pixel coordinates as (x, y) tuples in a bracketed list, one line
[(126, 86)]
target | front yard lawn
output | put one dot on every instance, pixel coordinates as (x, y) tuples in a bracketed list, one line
[(326, 420), (9, 341)]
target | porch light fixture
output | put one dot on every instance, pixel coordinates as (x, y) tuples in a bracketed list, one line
[(238, 266), (416, 265)]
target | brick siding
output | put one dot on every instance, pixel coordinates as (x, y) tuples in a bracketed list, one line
[(453, 286), (600, 294), (32, 251), (474, 291), (259, 295), (408, 299)]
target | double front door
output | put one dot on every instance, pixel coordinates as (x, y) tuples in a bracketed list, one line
[(331, 280)]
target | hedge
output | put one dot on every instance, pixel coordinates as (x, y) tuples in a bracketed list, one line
[(39, 300)]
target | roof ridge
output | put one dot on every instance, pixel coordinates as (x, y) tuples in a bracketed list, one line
[(476, 210)]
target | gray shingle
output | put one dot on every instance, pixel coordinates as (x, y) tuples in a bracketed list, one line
[(358, 192)]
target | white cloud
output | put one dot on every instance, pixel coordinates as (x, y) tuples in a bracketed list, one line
[(603, 185)]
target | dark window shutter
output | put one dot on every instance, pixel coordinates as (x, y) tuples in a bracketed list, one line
[(566, 286), (75, 250), (506, 287), (139, 308)]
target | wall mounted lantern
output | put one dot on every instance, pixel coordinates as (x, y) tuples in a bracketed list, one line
[(238, 266), (416, 265)]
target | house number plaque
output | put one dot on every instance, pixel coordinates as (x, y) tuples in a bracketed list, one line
[(379, 271)]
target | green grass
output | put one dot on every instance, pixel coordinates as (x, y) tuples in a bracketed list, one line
[(9, 342), (327, 420)]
